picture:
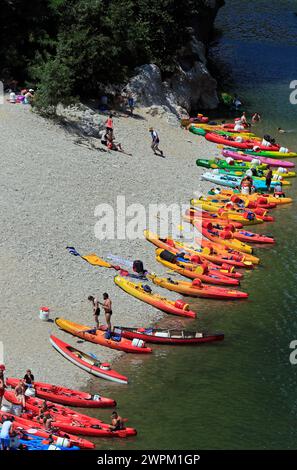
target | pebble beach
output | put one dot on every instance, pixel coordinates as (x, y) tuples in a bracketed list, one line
[(51, 184)]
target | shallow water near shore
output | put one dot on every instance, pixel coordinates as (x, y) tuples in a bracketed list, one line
[(241, 393)]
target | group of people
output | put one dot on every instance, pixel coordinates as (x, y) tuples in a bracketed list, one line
[(107, 307), (107, 136), (26, 96), (247, 186), (8, 436)]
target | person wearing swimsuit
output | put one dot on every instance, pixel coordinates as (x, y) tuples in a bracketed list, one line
[(107, 309), (117, 422), (96, 309)]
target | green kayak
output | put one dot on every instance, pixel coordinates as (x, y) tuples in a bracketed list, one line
[(222, 164)]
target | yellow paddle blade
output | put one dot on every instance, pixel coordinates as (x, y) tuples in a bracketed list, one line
[(96, 261)]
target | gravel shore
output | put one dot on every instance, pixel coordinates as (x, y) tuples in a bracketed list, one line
[(51, 183)]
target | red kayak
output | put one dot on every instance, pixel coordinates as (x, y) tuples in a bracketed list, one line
[(66, 396), (206, 253), (158, 336), (38, 429), (208, 216), (68, 420), (243, 235), (90, 364), (192, 270), (244, 144)]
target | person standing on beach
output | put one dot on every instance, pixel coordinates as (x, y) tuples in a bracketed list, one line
[(131, 104), (5, 433), (107, 305), (109, 125), (155, 141), (269, 178), (96, 309), (2, 383)]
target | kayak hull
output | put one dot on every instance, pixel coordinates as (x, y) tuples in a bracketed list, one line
[(87, 363), (202, 290), (98, 337), (264, 160), (157, 301), (159, 336)]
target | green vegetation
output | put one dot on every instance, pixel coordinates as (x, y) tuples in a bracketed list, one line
[(73, 47)]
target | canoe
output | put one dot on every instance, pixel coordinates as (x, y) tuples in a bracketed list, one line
[(241, 200), (215, 235), (197, 289), (231, 142), (29, 425), (223, 164), (233, 181), (231, 233), (257, 197), (191, 270), (159, 336), (31, 442), (224, 250), (68, 420), (249, 158), (276, 176), (96, 336), (205, 253), (66, 396), (244, 217), (210, 216), (225, 127), (233, 212), (272, 154), (197, 130), (178, 307), (185, 259), (89, 364)]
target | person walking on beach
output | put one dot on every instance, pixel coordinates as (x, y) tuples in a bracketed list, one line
[(269, 175), (2, 383), (96, 309), (107, 305), (5, 433), (155, 141)]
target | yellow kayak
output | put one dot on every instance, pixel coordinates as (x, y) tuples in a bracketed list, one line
[(252, 197), (137, 290), (210, 206)]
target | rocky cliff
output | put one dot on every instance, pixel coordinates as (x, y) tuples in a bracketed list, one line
[(191, 86)]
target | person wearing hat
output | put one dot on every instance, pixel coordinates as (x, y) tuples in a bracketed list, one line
[(155, 141), (2, 383), (29, 96)]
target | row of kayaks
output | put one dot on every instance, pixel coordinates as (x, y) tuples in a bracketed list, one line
[(227, 136)]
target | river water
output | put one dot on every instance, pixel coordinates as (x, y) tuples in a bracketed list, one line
[(240, 394)]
